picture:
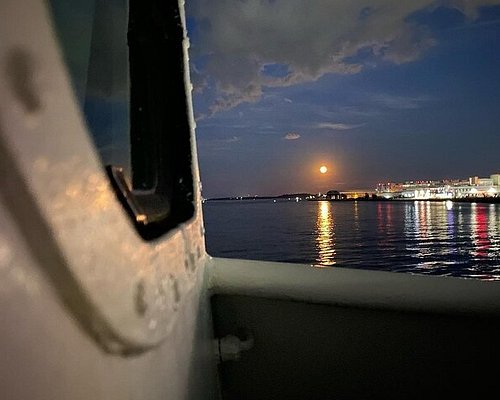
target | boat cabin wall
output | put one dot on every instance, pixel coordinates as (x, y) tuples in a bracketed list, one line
[(89, 309)]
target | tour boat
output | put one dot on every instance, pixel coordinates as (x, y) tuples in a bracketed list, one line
[(107, 292)]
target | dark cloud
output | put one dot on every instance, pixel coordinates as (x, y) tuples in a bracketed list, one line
[(311, 38)]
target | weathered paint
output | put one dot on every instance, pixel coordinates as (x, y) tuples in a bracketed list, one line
[(127, 290), (88, 309)]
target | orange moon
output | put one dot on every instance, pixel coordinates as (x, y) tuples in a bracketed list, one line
[(323, 169)]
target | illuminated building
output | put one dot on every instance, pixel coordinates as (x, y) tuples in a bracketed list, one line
[(443, 189)]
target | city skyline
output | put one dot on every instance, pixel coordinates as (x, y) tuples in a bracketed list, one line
[(384, 92), (487, 182)]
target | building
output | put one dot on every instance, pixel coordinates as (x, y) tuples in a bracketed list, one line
[(443, 189), (333, 195)]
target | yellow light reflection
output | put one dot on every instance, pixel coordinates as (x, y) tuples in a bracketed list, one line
[(325, 239)]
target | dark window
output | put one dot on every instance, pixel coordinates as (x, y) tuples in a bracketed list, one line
[(127, 66)]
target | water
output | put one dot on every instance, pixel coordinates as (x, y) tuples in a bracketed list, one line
[(438, 238)]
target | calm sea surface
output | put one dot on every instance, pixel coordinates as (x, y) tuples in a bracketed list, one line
[(438, 238)]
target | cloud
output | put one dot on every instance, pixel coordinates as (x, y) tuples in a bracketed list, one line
[(218, 144), (399, 102), (232, 139), (236, 39), (288, 100), (468, 7), (291, 136), (337, 127), (411, 42)]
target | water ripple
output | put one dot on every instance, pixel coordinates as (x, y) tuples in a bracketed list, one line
[(415, 237)]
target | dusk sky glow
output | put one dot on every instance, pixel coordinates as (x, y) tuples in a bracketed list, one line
[(384, 90)]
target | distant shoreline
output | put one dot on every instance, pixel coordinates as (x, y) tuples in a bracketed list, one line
[(281, 196), (487, 200), (461, 200)]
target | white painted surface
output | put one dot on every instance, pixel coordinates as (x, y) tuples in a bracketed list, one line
[(45, 355), (70, 261), (354, 288), (45, 136)]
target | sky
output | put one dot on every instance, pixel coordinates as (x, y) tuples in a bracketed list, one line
[(378, 91)]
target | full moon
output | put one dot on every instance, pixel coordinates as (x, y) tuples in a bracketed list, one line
[(323, 169)]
